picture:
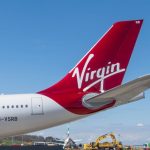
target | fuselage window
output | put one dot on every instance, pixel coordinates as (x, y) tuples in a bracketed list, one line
[(17, 106)]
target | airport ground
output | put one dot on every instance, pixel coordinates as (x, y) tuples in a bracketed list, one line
[(32, 142)]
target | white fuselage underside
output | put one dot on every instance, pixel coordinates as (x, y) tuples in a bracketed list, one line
[(24, 113)]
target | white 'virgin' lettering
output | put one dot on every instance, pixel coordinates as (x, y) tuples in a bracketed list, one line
[(100, 74)]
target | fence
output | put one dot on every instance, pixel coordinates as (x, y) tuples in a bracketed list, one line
[(31, 147)]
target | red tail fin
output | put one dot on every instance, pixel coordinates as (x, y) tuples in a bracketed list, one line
[(104, 66)]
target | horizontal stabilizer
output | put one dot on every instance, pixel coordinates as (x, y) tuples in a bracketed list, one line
[(126, 93)]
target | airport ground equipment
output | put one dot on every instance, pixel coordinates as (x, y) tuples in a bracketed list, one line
[(146, 146), (99, 145)]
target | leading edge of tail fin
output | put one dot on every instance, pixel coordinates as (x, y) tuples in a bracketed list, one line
[(104, 66)]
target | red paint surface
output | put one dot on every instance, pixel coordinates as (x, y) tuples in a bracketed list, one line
[(115, 47)]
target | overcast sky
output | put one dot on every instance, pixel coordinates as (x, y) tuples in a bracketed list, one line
[(40, 41)]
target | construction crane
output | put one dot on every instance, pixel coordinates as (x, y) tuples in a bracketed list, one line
[(99, 145)]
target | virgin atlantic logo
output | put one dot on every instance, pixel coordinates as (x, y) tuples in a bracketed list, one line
[(97, 76)]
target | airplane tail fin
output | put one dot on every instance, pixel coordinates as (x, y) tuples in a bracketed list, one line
[(104, 66)]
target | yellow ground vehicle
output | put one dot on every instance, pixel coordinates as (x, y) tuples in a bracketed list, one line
[(99, 145)]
